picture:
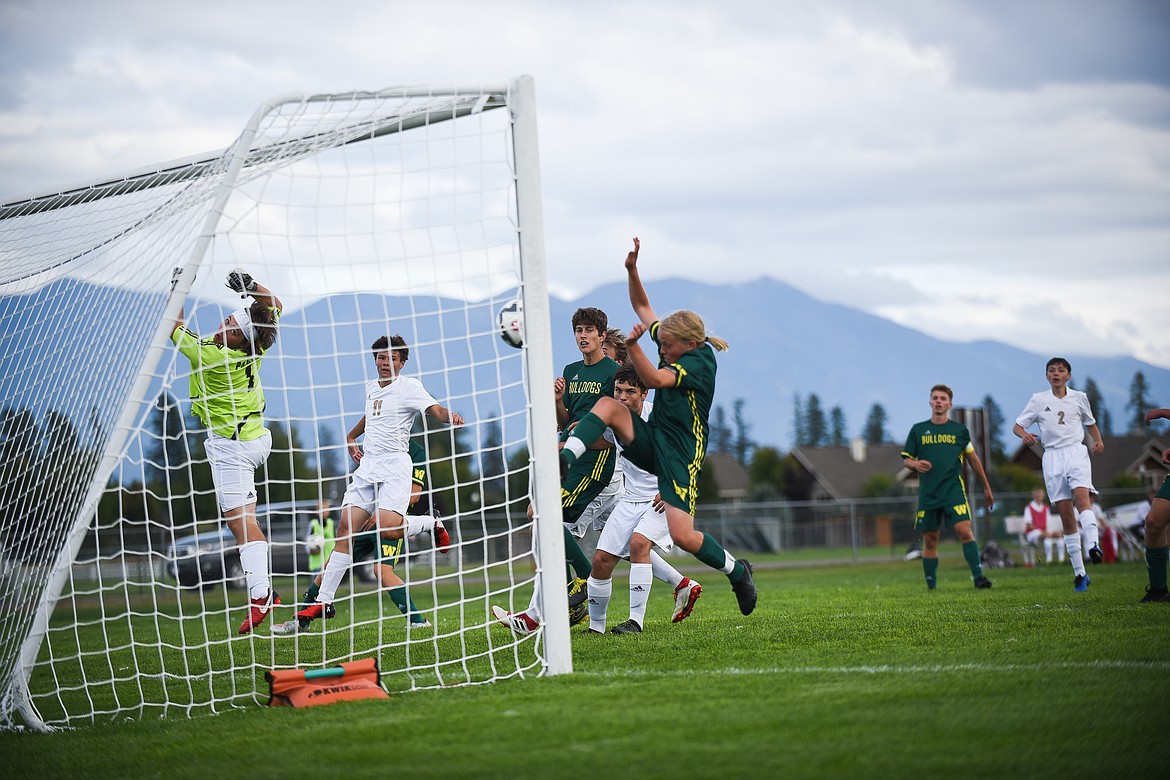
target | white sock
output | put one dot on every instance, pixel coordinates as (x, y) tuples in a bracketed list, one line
[(416, 524), (1072, 543), (641, 579), (254, 561), (728, 563), (534, 603), (1048, 550), (664, 571), (335, 569), (599, 594), (575, 446), (1088, 521)]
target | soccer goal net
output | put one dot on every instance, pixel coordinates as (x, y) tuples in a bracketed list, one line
[(411, 212)]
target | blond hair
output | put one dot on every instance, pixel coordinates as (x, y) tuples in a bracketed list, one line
[(685, 325)]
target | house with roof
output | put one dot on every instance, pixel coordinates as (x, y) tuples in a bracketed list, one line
[(1137, 456), (839, 473)]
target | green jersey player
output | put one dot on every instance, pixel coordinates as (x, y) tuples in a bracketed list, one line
[(936, 450), (673, 442), (228, 398)]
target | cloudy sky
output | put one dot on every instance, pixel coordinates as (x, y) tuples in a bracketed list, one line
[(976, 169)]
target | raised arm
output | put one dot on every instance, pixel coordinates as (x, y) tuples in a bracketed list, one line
[(242, 282), (638, 298), (652, 375), (445, 415)]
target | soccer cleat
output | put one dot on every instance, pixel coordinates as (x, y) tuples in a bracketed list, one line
[(589, 631), (1155, 595), (629, 627), (685, 596), (519, 622), (1081, 583), (424, 623), (317, 610), (258, 610), (982, 583), (745, 589), (1095, 554), (441, 538), (578, 591), (291, 627), (579, 614)]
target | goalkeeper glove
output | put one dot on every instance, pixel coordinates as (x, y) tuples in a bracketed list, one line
[(240, 281), (176, 272)]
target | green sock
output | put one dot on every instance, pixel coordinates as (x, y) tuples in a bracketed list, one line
[(310, 596), (576, 556), (1156, 560), (589, 429), (930, 569), (971, 553), (401, 598), (712, 553)]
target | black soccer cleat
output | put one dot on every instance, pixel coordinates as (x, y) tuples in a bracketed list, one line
[(579, 614), (1155, 595), (629, 627), (745, 589), (1095, 554), (982, 583)]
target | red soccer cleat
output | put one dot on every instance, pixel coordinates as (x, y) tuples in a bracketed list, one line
[(259, 610), (441, 538), (685, 596)]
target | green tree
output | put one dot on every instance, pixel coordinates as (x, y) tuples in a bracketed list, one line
[(493, 464), (874, 431), (720, 432), (743, 444), (816, 431), (1139, 403), (837, 435), (1097, 404), (799, 422), (995, 423)]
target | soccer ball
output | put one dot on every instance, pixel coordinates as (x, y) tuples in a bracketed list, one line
[(511, 323), (316, 544)]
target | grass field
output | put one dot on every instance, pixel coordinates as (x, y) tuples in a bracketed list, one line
[(852, 671)]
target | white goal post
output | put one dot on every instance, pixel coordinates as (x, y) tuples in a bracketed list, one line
[(410, 211)]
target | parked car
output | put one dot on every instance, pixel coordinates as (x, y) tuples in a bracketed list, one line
[(206, 559)]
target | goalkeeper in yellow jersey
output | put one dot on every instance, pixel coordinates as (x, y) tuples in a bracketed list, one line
[(227, 397)]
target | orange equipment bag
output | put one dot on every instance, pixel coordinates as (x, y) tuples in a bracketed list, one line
[(348, 682)]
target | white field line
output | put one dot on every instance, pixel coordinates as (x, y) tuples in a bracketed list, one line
[(1142, 666)]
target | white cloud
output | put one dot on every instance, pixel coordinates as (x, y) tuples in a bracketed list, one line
[(942, 164)]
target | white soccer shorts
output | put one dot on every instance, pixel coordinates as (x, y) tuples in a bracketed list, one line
[(629, 517), (1066, 468), (381, 485), (595, 515), (233, 468)]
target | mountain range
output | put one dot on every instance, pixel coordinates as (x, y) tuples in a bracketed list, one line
[(783, 344)]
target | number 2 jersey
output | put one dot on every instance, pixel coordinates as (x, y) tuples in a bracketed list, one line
[(1062, 420)]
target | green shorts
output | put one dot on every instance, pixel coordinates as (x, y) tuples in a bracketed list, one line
[(941, 517), (678, 475), (588, 476), (1164, 491), (365, 545)]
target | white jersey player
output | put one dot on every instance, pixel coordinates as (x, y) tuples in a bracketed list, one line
[(634, 528), (1063, 416), (380, 488)]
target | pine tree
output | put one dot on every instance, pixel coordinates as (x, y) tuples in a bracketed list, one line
[(817, 427), (837, 435), (799, 422), (1097, 404), (743, 444), (995, 423), (875, 425), (1139, 403)]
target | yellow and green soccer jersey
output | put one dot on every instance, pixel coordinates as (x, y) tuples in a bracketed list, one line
[(225, 389), (681, 412), (944, 446)]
